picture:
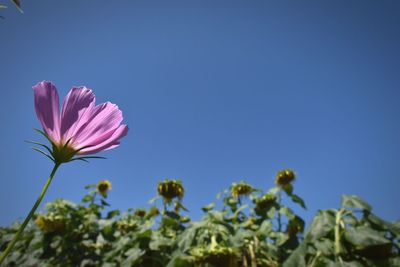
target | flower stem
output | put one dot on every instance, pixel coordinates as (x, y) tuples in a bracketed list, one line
[(28, 218), (338, 246), (279, 200)]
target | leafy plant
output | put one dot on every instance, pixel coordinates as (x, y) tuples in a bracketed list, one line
[(253, 228)]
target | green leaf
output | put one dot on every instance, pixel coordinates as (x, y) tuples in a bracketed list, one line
[(322, 224), (364, 236), (113, 213), (151, 201), (287, 212), (297, 257), (383, 225), (208, 207), (350, 264), (265, 228), (288, 188), (355, 202), (271, 212), (89, 186), (280, 238), (133, 254), (104, 203), (179, 205), (88, 198), (298, 200), (186, 238), (325, 245), (179, 260), (394, 262), (273, 190)]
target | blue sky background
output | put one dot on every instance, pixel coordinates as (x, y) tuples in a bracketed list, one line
[(214, 92)]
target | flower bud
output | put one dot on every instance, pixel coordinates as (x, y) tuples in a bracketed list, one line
[(284, 177)]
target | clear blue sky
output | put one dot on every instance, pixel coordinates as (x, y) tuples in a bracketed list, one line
[(214, 92)]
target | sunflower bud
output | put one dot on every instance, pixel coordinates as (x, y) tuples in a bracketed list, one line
[(184, 219), (284, 177), (103, 187), (295, 225), (140, 213), (170, 189), (50, 225), (153, 212), (265, 201), (241, 189)]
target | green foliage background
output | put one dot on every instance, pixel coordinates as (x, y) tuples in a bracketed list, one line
[(253, 228)]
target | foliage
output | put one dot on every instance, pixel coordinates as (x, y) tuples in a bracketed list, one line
[(253, 228)]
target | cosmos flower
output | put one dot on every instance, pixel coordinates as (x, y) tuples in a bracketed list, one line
[(81, 127)]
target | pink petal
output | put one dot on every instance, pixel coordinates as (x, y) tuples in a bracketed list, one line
[(76, 106), (107, 141), (103, 119), (47, 108)]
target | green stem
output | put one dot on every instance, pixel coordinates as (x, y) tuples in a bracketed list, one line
[(338, 246), (279, 214), (28, 218), (314, 261), (92, 201)]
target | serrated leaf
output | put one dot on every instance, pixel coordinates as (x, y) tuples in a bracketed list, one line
[(297, 257), (133, 254), (384, 225), (321, 225), (325, 245), (355, 202), (364, 236)]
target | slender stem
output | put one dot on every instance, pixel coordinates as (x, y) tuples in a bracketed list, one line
[(314, 261), (92, 201), (338, 246), (279, 214), (28, 218)]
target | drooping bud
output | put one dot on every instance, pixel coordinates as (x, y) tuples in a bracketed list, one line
[(241, 189), (170, 189), (103, 187), (284, 177)]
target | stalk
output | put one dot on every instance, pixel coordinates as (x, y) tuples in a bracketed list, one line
[(29, 217), (338, 246)]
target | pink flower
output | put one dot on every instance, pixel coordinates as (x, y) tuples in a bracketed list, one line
[(82, 127)]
